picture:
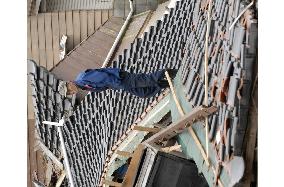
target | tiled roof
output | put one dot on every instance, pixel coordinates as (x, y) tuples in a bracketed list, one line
[(101, 118), (49, 104), (232, 55)]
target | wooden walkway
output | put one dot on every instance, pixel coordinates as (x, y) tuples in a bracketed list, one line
[(45, 30)]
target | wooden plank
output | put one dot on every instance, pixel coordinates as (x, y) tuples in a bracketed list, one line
[(48, 153), (69, 31), (61, 178), (98, 19), (32, 154), (30, 108), (179, 126), (29, 42), (147, 129), (62, 24), (40, 166), (83, 25), (55, 38), (34, 37), (48, 41), (171, 148), (91, 22), (41, 40), (111, 183), (76, 26), (110, 13), (250, 139), (104, 16), (29, 179), (124, 153), (132, 170)]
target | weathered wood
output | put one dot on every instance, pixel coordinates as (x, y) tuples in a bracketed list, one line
[(179, 126), (69, 31), (91, 22), (83, 25), (124, 153), (34, 37), (110, 13), (32, 154), (41, 40), (55, 38), (76, 25), (147, 129), (174, 94), (171, 148), (132, 170), (29, 42), (250, 139), (111, 183), (98, 19), (40, 166), (104, 16), (48, 41), (62, 24), (48, 153), (29, 179), (60, 179)]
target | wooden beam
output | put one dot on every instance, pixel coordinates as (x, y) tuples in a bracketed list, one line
[(60, 179), (112, 183), (174, 94), (124, 153), (170, 148), (132, 170), (179, 126), (48, 153), (147, 129)]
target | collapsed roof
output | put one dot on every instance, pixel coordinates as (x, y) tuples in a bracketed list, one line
[(93, 127)]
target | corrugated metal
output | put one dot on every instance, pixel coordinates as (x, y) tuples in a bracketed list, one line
[(91, 53), (60, 5)]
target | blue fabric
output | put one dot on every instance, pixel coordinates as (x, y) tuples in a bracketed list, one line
[(142, 84), (99, 79)]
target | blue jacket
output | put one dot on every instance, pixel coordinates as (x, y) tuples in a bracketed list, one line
[(99, 79)]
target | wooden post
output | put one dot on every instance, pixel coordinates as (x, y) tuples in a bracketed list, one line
[(60, 179), (47, 152), (124, 153), (112, 183), (170, 148), (174, 94), (146, 129)]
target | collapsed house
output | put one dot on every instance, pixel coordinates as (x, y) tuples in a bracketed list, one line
[(101, 124)]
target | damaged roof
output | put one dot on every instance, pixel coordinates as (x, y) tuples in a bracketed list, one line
[(177, 41)]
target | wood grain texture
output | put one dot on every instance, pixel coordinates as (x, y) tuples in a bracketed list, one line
[(133, 167), (104, 16), (91, 22), (69, 30), (62, 24), (55, 38), (29, 42), (34, 34), (83, 25), (98, 18), (76, 26), (48, 41), (41, 40)]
